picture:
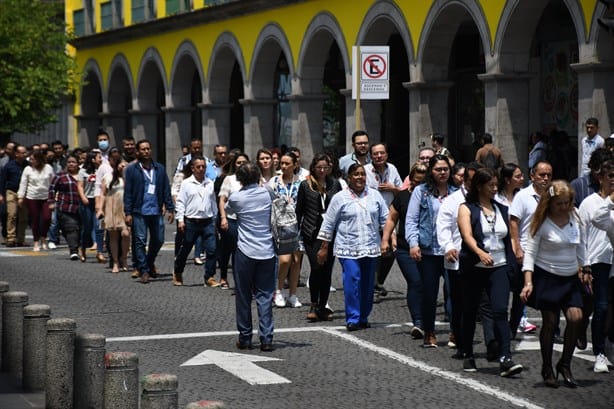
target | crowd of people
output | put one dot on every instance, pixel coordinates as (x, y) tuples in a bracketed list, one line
[(493, 241)]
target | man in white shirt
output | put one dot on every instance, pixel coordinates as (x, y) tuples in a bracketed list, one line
[(196, 208), (521, 213), (590, 142), (383, 177)]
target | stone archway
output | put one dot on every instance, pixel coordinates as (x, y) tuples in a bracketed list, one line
[(454, 49), (319, 112), (119, 99), (148, 115), (91, 105), (268, 111), (223, 121), (183, 116), (389, 120)]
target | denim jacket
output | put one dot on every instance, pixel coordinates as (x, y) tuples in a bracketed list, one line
[(420, 221)]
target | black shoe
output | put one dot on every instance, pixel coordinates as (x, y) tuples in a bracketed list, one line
[(244, 345), (381, 290), (364, 325), (266, 347), (508, 368), (469, 365), (549, 378), (568, 378), (492, 351), (352, 327), (458, 355), (581, 341)]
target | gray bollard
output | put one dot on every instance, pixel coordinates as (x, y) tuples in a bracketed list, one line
[(12, 334), (208, 404), (4, 287), (35, 319), (159, 392), (60, 363), (89, 371), (121, 380)]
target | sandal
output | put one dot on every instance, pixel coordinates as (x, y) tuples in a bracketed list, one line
[(224, 285)]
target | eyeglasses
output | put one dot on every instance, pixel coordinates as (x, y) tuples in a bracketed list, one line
[(322, 168), (425, 157), (441, 170)]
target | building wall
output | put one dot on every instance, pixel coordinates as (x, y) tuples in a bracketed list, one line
[(160, 60)]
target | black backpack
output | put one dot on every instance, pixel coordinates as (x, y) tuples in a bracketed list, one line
[(284, 226)]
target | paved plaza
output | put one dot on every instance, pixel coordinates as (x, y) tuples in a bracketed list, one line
[(190, 331)]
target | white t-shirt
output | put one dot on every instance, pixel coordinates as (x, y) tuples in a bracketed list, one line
[(523, 207)]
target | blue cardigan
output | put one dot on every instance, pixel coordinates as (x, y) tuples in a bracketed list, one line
[(135, 183)]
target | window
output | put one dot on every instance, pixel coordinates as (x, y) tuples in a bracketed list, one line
[(177, 6), (111, 14), (79, 22), (142, 10)]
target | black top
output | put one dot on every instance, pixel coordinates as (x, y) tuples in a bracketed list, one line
[(400, 203), (310, 205)]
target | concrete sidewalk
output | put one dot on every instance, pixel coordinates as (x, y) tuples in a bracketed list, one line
[(12, 395)]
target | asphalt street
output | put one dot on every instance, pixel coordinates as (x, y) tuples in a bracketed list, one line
[(190, 331)]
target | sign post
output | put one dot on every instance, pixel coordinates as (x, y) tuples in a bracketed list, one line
[(370, 68)]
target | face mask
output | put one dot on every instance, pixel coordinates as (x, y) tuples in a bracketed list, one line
[(104, 145)]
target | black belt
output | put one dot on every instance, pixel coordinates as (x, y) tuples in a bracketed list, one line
[(198, 221)]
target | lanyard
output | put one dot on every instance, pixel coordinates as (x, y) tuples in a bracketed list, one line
[(149, 173)]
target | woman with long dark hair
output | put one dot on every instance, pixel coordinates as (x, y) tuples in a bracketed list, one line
[(421, 235), (314, 196), (486, 262)]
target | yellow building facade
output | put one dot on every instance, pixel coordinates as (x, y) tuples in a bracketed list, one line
[(264, 73)]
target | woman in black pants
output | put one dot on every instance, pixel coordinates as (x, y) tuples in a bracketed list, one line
[(314, 195), (486, 261)]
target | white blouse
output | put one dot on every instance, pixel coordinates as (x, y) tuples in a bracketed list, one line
[(34, 183)]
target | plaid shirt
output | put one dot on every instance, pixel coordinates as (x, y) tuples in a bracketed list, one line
[(63, 190)]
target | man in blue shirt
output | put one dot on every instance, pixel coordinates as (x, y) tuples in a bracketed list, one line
[(360, 143), (147, 195), (17, 216), (214, 167)]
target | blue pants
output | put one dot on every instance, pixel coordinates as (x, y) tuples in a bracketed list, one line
[(256, 278), (228, 246), (140, 225), (54, 227), (431, 271), (410, 272), (193, 231), (90, 226), (358, 282)]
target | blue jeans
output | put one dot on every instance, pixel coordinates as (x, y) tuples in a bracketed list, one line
[(54, 227), (204, 230), (410, 272), (140, 225), (228, 246), (601, 272), (358, 288), (256, 278), (431, 271)]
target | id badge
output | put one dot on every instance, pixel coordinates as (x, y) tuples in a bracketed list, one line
[(573, 233), (151, 189)]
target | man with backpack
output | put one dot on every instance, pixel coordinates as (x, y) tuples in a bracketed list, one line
[(489, 155)]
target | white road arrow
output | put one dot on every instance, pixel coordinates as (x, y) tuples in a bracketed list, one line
[(240, 365)]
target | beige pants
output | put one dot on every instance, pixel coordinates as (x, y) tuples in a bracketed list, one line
[(16, 219)]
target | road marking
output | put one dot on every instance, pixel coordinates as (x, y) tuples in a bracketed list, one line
[(240, 365), (532, 344), (463, 380)]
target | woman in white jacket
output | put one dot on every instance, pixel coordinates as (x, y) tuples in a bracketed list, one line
[(34, 194)]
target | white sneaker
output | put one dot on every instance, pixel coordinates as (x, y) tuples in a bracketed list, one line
[(333, 289), (294, 302), (51, 245), (279, 299), (601, 364)]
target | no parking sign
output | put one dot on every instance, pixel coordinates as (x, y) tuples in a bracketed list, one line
[(373, 64)]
